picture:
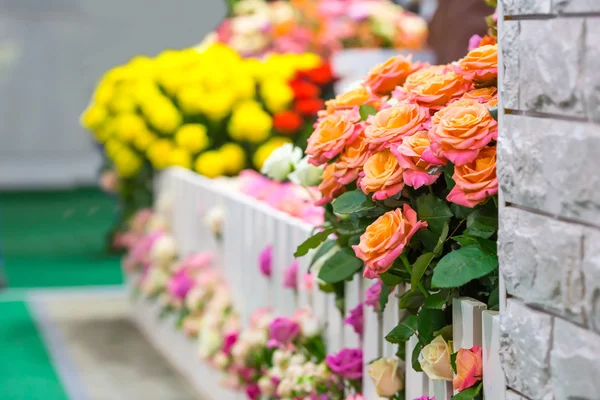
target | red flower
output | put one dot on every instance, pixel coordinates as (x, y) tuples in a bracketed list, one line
[(287, 122), (320, 75), (309, 106), (304, 90)]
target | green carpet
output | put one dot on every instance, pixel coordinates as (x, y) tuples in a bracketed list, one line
[(26, 372), (57, 238)]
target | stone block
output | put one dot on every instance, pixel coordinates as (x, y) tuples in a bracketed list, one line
[(551, 165), (591, 271), (540, 259), (512, 395), (576, 6), (591, 68), (526, 7), (575, 362), (551, 54), (525, 343), (509, 45)]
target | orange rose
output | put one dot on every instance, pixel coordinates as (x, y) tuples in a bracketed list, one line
[(381, 175), (433, 87), (332, 133), (384, 240), (354, 98), (351, 160), (487, 39), (392, 124), (469, 368), (480, 65), (475, 181), (410, 155), (383, 78), (486, 95), (329, 187), (461, 130)]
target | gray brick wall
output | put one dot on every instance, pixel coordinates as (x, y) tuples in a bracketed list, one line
[(549, 175)]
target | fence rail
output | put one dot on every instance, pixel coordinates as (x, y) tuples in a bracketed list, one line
[(249, 226)]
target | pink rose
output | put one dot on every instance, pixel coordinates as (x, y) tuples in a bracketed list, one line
[(383, 78), (372, 295), (265, 261), (351, 160), (356, 319), (382, 175), (475, 181), (480, 65), (347, 364), (410, 157), (282, 331), (332, 134), (290, 276), (391, 125), (469, 368)]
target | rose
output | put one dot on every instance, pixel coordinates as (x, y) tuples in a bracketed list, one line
[(480, 65), (281, 162), (329, 187), (484, 95), (410, 157), (352, 98), (290, 276), (348, 363), (306, 174), (386, 377), (392, 124), (433, 87), (229, 342), (253, 391), (164, 250), (180, 284), (476, 181), (265, 260), (383, 78), (474, 42), (356, 319), (381, 175), (282, 331), (266, 386), (351, 160), (436, 360), (331, 135), (372, 295), (210, 342), (287, 122), (469, 368), (384, 240), (461, 130)]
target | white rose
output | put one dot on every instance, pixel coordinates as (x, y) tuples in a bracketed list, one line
[(386, 376), (436, 360), (164, 250), (309, 327), (281, 162), (306, 174)]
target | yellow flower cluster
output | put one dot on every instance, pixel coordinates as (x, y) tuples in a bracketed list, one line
[(206, 109)]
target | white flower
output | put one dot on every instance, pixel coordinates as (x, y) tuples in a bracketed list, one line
[(155, 281), (267, 388), (323, 372), (281, 358), (309, 327), (209, 343), (221, 361), (306, 174), (285, 388), (240, 351), (164, 250), (214, 219), (297, 359), (281, 162)]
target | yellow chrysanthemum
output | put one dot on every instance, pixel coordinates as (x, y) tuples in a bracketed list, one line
[(104, 93), (276, 94), (143, 140), (308, 61), (171, 81), (250, 122), (122, 103), (234, 156), (159, 153), (93, 116), (127, 162), (181, 158), (210, 164), (127, 126), (162, 114), (104, 132), (111, 147), (266, 149), (217, 105), (190, 99), (192, 137)]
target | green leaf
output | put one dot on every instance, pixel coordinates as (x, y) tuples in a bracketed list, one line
[(494, 112), (465, 240), (462, 266), (494, 299), (415, 358), (470, 393), (448, 172), (401, 352), (445, 332), (478, 233), (483, 220), (434, 211), (412, 299), (340, 266), (403, 331), (453, 361), (390, 279), (351, 202), (384, 296), (430, 320), (313, 242), (321, 251), (365, 110), (437, 300), (442, 239), (420, 266), (428, 239), (460, 212)]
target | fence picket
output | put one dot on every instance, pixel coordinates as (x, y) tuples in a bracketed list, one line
[(494, 381)]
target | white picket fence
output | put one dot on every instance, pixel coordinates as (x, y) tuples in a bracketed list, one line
[(251, 225)]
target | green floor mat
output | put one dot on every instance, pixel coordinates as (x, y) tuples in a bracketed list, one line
[(57, 238), (26, 372)]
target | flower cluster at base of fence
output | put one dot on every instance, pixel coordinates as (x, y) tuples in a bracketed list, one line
[(409, 190), (274, 357)]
